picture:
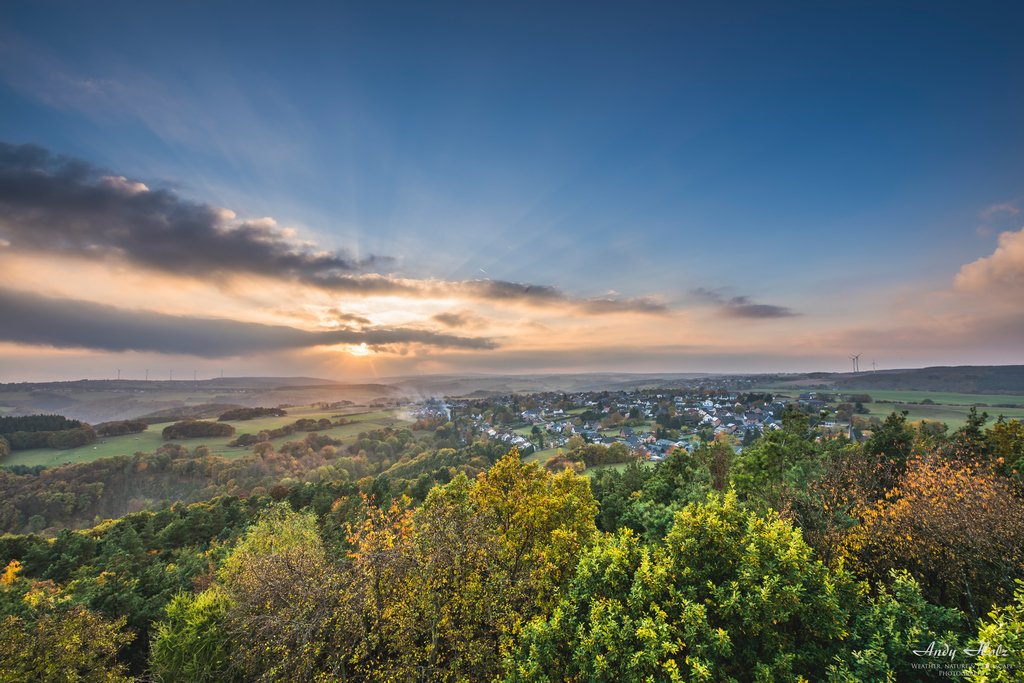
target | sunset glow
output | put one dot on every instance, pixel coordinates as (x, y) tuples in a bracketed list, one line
[(699, 197)]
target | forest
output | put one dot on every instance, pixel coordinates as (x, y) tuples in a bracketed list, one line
[(42, 431), (445, 558)]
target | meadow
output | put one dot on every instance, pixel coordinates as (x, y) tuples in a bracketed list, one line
[(946, 397), (953, 415), (150, 440), (949, 407)]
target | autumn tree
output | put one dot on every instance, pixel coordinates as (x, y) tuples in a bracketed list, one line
[(958, 529), (288, 601), (61, 642)]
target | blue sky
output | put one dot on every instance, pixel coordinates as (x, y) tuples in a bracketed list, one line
[(831, 160)]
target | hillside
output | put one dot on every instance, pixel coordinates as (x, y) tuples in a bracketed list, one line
[(967, 379)]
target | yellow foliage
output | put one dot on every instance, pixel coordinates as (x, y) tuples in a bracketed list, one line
[(10, 574), (957, 528)]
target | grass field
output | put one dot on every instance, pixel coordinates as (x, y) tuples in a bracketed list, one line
[(945, 397), (150, 440), (950, 407), (953, 416), (591, 471), (540, 456)]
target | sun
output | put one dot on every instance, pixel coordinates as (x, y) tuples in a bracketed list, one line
[(361, 350)]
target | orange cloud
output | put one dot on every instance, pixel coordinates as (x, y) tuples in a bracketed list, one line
[(1001, 274)]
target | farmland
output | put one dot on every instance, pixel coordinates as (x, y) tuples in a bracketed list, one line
[(150, 440)]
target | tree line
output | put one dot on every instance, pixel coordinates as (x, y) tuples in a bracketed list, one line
[(799, 557)]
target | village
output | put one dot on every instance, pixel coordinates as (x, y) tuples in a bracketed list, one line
[(650, 424)]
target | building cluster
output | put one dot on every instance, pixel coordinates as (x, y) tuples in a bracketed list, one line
[(642, 420)]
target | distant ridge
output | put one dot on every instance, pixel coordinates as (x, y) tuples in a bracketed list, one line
[(966, 379)]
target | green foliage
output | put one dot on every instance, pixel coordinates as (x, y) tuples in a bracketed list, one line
[(775, 466), (192, 429), (279, 529), (42, 431), (250, 414), (1001, 642), (122, 428), (598, 454), (887, 629), (727, 597), (969, 441), (645, 499), (62, 645), (892, 443), (1005, 441), (192, 645), (38, 423)]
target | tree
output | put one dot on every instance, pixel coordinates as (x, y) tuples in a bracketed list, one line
[(61, 643), (1001, 642), (782, 459), (728, 596), (448, 587), (969, 441), (1006, 441), (192, 643), (288, 620), (891, 444), (958, 529)]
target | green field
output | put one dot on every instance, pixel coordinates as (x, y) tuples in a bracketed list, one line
[(945, 397), (150, 440), (950, 407), (591, 471), (540, 456), (953, 416)]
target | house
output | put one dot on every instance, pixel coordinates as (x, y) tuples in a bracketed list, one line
[(626, 432)]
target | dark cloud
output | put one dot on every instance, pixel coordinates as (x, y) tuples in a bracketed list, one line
[(742, 306), (65, 323), (343, 317), (451, 319), (59, 204), (496, 291)]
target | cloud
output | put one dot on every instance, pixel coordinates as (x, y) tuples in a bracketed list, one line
[(462, 319), (999, 208), (1002, 273), (498, 291), (61, 204), (65, 323), (57, 204), (742, 306), (350, 318), (451, 319)]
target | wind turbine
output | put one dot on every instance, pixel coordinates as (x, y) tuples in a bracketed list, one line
[(856, 363), (147, 374), (873, 369), (119, 373)]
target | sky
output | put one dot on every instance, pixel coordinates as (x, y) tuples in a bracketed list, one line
[(363, 190)]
